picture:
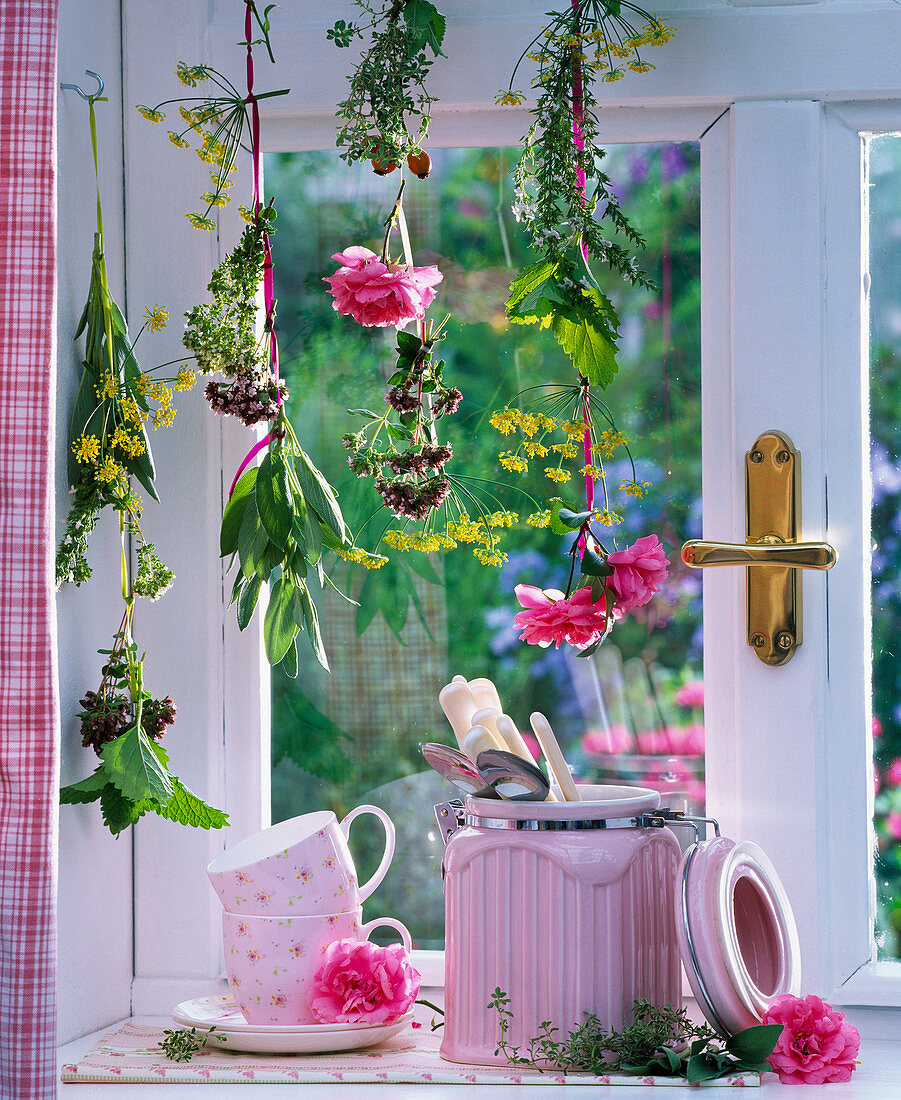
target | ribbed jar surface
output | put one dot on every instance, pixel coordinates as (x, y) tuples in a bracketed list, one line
[(564, 922)]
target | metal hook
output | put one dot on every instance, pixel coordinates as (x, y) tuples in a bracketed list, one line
[(83, 94)]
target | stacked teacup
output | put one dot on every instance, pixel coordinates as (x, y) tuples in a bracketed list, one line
[(288, 892)]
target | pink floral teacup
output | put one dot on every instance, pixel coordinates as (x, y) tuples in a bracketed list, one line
[(271, 961), (299, 867)]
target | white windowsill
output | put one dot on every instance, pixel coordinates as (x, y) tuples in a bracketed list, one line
[(877, 1078)]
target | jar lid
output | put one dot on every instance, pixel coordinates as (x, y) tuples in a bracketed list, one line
[(736, 932), (598, 801)]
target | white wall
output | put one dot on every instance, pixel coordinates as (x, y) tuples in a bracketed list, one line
[(95, 873)]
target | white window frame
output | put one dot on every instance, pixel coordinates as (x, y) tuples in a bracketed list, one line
[(779, 98)]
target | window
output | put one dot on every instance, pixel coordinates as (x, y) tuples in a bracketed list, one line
[(632, 714)]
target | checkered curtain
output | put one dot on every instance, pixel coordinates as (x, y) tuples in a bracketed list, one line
[(28, 709)]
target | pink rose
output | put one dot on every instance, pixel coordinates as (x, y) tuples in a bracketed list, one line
[(550, 617), (817, 1044), (893, 824), (378, 295), (894, 773), (362, 982), (638, 572), (596, 742), (691, 694)]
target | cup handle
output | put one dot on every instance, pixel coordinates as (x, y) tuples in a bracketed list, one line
[(390, 922), (388, 855)]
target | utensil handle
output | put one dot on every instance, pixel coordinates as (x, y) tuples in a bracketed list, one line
[(477, 740), (506, 728), (541, 727), (459, 706), (367, 888), (485, 693)]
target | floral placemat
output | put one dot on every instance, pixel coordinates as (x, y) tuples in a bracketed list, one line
[(131, 1054)]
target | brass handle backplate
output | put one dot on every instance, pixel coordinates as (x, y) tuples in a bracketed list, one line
[(772, 527)]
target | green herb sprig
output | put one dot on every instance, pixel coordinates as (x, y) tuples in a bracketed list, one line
[(387, 111), (661, 1042), (563, 197), (181, 1044)]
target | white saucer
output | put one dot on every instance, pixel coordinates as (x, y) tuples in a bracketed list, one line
[(222, 1012)]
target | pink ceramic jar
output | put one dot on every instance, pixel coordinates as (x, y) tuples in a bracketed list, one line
[(566, 906)]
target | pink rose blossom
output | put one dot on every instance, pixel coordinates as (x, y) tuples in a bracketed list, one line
[(817, 1044), (378, 295), (638, 572), (360, 981), (595, 742), (550, 617), (894, 773), (876, 727), (691, 694), (893, 824)]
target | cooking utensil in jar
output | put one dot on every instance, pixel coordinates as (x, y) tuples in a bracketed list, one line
[(459, 706), (477, 740), (488, 717), (516, 744), (459, 769), (541, 727), (512, 777), (485, 693)]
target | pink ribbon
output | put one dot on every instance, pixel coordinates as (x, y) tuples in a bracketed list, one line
[(268, 284)]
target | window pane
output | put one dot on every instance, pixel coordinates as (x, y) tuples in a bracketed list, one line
[(885, 456), (634, 711)]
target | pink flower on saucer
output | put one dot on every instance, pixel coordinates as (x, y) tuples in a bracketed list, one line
[(638, 572), (242, 877), (378, 294), (817, 1044), (361, 982), (550, 617)]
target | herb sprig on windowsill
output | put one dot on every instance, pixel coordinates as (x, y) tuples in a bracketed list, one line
[(660, 1042), (181, 1044)]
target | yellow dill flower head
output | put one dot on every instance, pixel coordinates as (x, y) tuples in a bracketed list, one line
[(178, 140), (636, 489), (150, 113), (86, 448), (547, 422), (659, 32), (540, 519), (575, 429), (489, 557), (191, 75), (613, 75), (505, 422), (163, 416), (133, 412), (509, 98), (109, 470), (510, 461), (556, 474), (110, 384), (157, 317), (592, 471), (246, 213), (640, 66), (362, 557), (609, 519), (214, 176), (535, 450), (529, 424), (565, 450), (185, 378), (502, 519), (610, 441), (212, 199), (127, 443), (397, 540), (199, 221), (466, 530)]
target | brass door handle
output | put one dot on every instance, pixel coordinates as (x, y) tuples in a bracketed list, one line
[(773, 532), (796, 555)]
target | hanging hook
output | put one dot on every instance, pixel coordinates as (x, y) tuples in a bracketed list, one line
[(83, 94)]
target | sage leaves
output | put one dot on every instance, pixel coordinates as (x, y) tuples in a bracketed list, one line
[(279, 517)]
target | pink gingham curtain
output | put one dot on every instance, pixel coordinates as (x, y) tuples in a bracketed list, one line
[(28, 710)]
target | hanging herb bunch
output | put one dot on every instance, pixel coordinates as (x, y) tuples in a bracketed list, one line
[(573, 216), (116, 400), (563, 198), (386, 115), (282, 515)]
